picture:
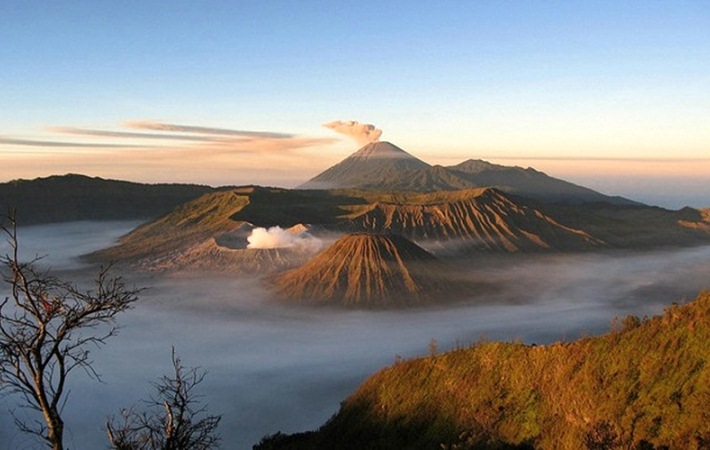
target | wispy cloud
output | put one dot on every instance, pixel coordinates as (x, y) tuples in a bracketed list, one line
[(145, 150), (62, 144), (188, 139), (156, 126), (131, 135)]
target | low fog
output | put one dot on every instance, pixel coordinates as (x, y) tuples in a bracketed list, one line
[(273, 368)]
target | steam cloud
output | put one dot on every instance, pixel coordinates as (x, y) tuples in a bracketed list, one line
[(277, 237), (363, 133)]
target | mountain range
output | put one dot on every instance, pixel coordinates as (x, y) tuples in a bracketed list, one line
[(447, 223), (384, 166), (464, 211)]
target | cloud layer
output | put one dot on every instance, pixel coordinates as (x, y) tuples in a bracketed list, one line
[(204, 139), (156, 151), (157, 126)]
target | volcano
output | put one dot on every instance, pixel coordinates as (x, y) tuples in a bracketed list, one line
[(371, 271), (369, 168), (386, 167)]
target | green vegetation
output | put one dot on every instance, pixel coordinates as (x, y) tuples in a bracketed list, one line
[(644, 385)]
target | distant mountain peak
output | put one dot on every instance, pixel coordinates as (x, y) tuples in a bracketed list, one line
[(476, 166), (370, 166), (384, 166)]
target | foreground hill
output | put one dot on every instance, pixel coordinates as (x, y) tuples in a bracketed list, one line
[(78, 197), (384, 166), (645, 385), (372, 271)]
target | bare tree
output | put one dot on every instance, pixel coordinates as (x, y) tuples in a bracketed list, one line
[(175, 419), (46, 329)]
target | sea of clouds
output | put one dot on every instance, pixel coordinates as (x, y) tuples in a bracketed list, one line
[(272, 367)]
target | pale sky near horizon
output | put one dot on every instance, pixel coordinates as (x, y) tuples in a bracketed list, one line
[(613, 95)]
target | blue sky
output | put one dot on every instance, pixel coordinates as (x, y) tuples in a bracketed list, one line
[(615, 94)]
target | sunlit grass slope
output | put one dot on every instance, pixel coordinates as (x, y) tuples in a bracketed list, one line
[(644, 385)]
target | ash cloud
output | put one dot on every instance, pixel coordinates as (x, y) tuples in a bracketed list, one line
[(276, 237), (363, 133)]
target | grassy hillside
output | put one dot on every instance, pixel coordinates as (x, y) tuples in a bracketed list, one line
[(644, 385)]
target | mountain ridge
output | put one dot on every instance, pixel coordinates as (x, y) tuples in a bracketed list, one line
[(449, 223), (72, 197), (384, 166), (481, 219)]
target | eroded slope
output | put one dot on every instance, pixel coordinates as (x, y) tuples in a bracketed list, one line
[(370, 270), (478, 219)]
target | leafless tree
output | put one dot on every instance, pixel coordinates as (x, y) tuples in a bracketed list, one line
[(47, 327), (175, 418)]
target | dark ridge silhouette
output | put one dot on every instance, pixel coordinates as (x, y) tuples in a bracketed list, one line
[(77, 197), (530, 183)]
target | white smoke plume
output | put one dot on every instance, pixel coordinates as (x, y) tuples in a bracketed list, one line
[(363, 133), (277, 237)]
